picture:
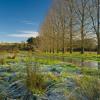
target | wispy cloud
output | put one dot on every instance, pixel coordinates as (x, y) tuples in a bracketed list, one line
[(29, 22), (25, 34)]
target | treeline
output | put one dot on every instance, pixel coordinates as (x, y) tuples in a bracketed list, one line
[(71, 25), (10, 47), (30, 44)]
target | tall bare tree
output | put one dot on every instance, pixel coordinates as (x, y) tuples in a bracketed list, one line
[(70, 14), (81, 11), (94, 10)]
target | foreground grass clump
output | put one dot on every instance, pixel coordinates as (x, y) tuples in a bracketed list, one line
[(36, 81), (88, 87), (2, 61)]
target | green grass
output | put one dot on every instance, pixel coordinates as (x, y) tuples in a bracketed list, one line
[(86, 56), (46, 61)]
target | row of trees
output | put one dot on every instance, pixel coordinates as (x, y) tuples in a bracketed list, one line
[(71, 25)]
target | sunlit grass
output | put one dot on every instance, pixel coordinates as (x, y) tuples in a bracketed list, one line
[(86, 56)]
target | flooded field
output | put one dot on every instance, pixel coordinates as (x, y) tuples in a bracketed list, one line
[(47, 78), (75, 61)]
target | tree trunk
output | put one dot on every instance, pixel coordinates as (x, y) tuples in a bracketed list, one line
[(98, 48), (71, 35), (98, 33), (82, 41), (82, 32), (57, 46), (63, 45), (53, 49)]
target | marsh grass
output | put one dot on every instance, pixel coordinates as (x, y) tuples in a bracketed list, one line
[(35, 81), (87, 80), (2, 61), (89, 87)]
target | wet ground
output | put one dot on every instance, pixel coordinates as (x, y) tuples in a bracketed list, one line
[(12, 76)]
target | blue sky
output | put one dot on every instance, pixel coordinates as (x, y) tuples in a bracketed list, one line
[(20, 19)]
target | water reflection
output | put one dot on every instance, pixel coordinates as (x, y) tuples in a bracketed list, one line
[(99, 65), (82, 62), (76, 61)]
